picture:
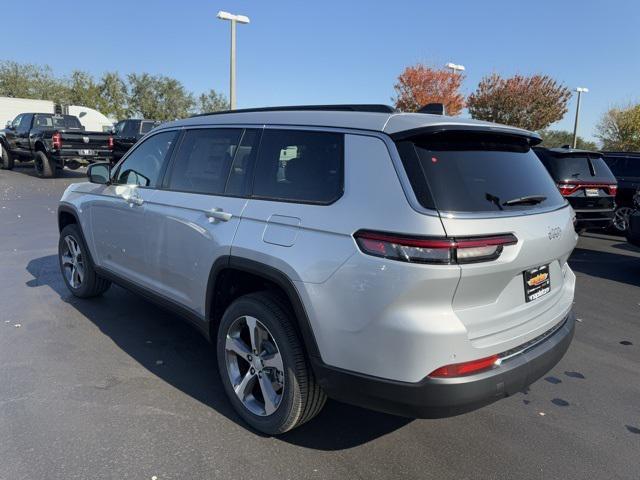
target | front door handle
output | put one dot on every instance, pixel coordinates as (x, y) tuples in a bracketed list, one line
[(218, 214)]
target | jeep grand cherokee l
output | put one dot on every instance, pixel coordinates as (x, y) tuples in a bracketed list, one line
[(410, 263)]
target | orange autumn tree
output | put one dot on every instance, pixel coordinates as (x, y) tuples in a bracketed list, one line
[(533, 102), (419, 85)]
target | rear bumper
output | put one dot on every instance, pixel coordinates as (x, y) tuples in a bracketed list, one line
[(633, 233), (593, 218), (433, 398)]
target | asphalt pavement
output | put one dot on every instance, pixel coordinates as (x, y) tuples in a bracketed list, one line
[(117, 388)]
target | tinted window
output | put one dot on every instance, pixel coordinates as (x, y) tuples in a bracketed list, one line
[(146, 127), (624, 166), (144, 164), (241, 170), (576, 166), (16, 121), (57, 121), (203, 160), (299, 165), (118, 127), (472, 172)]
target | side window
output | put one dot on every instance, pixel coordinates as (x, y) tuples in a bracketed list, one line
[(17, 120), (25, 123), (146, 127), (203, 160), (296, 165), (117, 129), (143, 165)]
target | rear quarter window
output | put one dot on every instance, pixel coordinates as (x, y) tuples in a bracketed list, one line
[(476, 172)]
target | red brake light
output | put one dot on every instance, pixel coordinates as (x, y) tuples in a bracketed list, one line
[(433, 250), (567, 189), (466, 368), (613, 190), (110, 142), (56, 141)]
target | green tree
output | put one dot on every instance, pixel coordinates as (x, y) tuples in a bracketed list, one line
[(83, 90), (114, 95), (159, 97), (560, 138), (619, 129), (211, 101), (30, 81), (533, 102)]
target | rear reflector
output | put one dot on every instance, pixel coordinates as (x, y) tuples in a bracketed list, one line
[(433, 250), (466, 368), (110, 142), (56, 141)]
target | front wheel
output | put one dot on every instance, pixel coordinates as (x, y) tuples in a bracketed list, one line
[(263, 366), (621, 219), (6, 159)]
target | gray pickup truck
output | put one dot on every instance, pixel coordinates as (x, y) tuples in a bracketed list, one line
[(52, 142)]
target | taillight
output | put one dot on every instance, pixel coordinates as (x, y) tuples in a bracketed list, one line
[(569, 188), (110, 142), (56, 141), (433, 250), (466, 368)]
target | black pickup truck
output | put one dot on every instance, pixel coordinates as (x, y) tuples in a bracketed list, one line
[(52, 142), (128, 132)]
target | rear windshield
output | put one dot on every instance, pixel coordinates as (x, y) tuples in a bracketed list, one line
[(477, 172), (63, 122), (576, 166)]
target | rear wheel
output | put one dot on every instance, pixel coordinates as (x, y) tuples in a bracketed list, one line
[(77, 270), (44, 166), (6, 159), (263, 367)]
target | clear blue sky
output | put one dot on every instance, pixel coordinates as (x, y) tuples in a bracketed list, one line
[(330, 51)]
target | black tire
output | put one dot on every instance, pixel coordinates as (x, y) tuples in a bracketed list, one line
[(6, 159), (92, 284), (44, 166), (302, 398)]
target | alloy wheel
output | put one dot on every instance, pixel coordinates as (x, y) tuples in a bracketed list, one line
[(621, 219), (254, 365), (72, 262)]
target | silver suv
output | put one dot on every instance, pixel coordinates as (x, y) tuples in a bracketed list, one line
[(410, 263)]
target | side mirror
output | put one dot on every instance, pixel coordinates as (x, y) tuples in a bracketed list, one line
[(99, 173), (9, 124)]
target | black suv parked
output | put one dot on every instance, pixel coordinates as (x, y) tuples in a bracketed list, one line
[(626, 167), (585, 180), (128, 132), (633, 230)]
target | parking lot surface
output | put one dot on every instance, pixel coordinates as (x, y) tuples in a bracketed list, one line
[(118, 388)]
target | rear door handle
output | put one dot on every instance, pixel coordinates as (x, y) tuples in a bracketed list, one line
[(218, 214)]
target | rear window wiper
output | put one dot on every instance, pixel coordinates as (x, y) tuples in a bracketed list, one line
[(528, 200)]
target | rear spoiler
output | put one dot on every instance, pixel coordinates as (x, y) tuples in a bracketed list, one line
[(532, 138)]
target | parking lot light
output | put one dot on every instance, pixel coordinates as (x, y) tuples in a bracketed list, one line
[(234, 19), (455, 67), (580, 91)]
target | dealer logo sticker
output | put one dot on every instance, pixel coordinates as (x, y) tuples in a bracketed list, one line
[(554, 233), (538, 279)]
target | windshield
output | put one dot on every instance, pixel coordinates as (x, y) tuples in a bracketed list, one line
[(63, 122), (477, 172)]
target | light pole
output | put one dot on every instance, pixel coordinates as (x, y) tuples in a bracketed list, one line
[(232, 74), (580, 91), (454, 67)]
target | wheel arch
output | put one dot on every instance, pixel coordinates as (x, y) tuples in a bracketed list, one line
[(232, 277)]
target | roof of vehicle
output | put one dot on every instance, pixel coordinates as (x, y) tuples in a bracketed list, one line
[(388, 121), (568, 151), (621, 154)]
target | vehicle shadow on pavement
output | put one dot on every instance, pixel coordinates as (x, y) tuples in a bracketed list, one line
[(620, 267), (174, 351), (28, 169)]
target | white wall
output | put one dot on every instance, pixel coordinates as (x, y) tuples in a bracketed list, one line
[(10, 108)]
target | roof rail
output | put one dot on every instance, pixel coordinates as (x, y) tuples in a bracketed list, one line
[(365, 107)]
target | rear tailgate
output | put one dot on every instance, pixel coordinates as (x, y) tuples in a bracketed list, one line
[(491, 299), (486, 184), (78, 140)]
